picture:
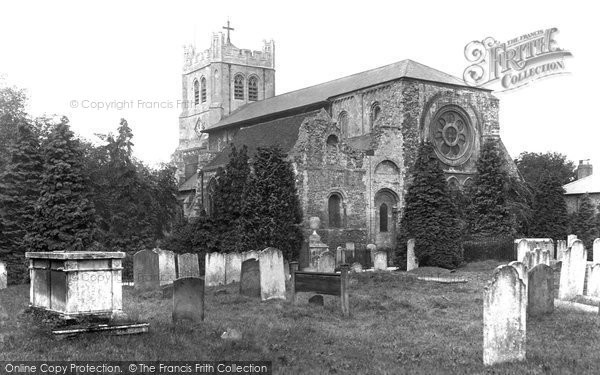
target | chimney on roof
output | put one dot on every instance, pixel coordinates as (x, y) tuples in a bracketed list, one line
[(584, 169)]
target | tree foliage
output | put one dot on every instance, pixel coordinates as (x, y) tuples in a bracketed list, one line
[(430, 216), (549, 219), (271, 211), (489, 213), (64, 214), (583, 222), (534, 166)]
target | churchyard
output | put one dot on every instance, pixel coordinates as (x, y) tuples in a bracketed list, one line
[(398, 323)]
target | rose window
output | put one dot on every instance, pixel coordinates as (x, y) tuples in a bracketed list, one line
[(451, 134)]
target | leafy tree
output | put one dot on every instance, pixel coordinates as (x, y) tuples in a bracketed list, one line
[(271, 212), (533, 166), (430, 216), (584, 222), (19, 191), (12, 113), (64, 216), (194, 235), (489, 214), (229, 188), (549, 219)]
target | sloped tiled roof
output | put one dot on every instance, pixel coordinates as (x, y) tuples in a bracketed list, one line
[(589, 184), (282, 132), (322, 92)]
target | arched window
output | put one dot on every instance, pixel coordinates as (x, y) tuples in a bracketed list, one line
[(375, 110), (343, 122), (203, 89), (238, 87), (332, 140), (383, 218), (453, 184), (253, 88), (334, 208), (196, 93)]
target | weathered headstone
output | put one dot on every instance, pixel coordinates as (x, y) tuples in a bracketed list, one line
[(545, 257), (504, 317), (529, 259), (540, 290), (233, 267), (411, 258), (522, 249), (380, 263), (253, 254), (350, 246), (340, 256), (272, 280), (593, 283), (214, 269), (326, 262), (250, 278), (522, 271), (356, 267), (166, 266), (570, 239), (187, 265), (3, 277), (572, 273), (146, 270), (538, 256), (188, 299), (596, 251), (315, 246), (561, 247)]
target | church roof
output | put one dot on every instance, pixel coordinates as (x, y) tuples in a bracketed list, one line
[(589, 184), (321, 93), (262, 135)]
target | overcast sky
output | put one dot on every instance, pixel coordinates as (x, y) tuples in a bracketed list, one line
[(113, 51)]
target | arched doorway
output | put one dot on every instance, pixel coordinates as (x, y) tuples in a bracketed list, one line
[(385, 218)]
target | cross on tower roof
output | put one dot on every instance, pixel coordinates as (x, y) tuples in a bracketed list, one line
[(228, 29)]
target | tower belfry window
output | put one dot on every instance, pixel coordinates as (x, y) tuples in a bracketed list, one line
[(238, 87), (196, 93), (203, 89), (253, 88)]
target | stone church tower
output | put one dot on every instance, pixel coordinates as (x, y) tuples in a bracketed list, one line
[(216, 82)]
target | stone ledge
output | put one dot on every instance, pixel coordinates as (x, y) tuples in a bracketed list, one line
[(61, 255)]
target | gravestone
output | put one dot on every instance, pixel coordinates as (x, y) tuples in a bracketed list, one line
[(340, 256), (3, 276), (596, 251), (233, 267), (372, 248), (286, 270), (253, 254), (145, 270), (250, 278), (411, 259), (315, 246), (572, 273), (593, 283), (561, 247), (522, 271), (272, 280), (214, 269), (540, 299), (326, 262), (187, 265), (350, 246), (538, 256), (188, 299), (522, 249), (166, 266), (529, 259), (570, 239), (504, 317), (356, 267), (545, 257), (380, 263)]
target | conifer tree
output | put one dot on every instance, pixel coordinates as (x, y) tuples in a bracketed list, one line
[(229, 188), (64, 215), (549, 219), (19, 191), (489, 213), (271, 214), (430, 216), (584, 222)]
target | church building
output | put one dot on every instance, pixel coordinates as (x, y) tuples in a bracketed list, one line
[(352, 141)]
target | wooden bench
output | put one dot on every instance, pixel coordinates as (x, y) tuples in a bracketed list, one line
[(334, 284)]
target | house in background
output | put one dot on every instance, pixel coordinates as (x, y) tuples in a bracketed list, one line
[(586, 183)]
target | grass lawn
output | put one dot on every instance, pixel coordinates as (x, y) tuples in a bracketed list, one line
[(398, 324)]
